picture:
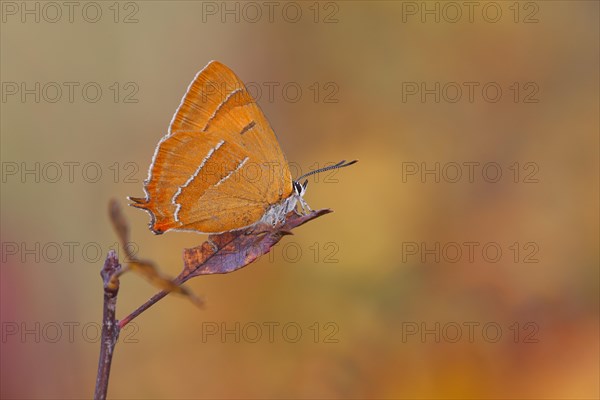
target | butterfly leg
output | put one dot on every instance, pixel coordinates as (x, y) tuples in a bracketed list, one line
[(304, 205)]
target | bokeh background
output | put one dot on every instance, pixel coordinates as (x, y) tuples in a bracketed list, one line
[(383, 312)]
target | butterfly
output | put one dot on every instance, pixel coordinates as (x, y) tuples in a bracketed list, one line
[(220, 167)]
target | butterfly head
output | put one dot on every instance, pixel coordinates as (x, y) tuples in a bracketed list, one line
[(300, 188), (275, 215)]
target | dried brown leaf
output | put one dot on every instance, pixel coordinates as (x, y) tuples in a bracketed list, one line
[(227, 252)]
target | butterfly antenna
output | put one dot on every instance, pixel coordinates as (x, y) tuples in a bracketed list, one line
[(341, 164)]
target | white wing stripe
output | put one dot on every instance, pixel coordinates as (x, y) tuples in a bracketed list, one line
[(191, 178), (233, 93), (232, 172)]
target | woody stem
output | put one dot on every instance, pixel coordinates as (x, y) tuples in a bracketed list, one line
[(110, 328)]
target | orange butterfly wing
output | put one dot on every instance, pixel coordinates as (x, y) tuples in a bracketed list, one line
[(220, 166)]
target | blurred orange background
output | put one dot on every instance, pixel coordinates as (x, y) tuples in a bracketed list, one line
[(435, 277)]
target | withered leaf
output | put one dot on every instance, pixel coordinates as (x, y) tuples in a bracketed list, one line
[(227, 252)]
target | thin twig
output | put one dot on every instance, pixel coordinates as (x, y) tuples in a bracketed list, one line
[(180, 280), (110, 328), (153, 300)]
